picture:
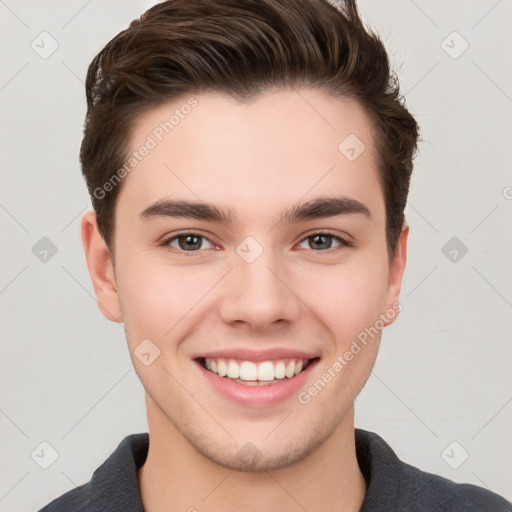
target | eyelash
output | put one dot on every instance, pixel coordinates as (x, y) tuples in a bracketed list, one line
[(167, 241)]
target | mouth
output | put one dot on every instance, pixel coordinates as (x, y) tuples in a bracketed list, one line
[(256, 373), (257, 379)]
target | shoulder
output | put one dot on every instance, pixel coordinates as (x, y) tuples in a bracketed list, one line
[(114, 484), (436, 493), (75, 500), (396, 485)]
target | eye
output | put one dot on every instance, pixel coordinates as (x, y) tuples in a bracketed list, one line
[(187, 242), (323, 241)]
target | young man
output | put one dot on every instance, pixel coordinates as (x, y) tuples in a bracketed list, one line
[(249, 164)]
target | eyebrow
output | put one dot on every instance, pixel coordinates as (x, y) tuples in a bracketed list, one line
[(322, 207)]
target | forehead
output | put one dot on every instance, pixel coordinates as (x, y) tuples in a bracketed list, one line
[(281, 147)]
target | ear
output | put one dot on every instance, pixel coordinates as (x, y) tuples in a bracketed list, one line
[(396, 274), (101, 268)]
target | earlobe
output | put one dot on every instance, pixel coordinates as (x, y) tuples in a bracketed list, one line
[(100, 267), (396, 274)]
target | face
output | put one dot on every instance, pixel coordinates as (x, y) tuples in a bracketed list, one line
[(285, 267)]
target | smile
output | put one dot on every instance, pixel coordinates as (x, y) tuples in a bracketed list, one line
[(256, 373), (257, 379)]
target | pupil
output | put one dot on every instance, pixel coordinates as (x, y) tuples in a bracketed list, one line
[(324, 238), (188, 242)]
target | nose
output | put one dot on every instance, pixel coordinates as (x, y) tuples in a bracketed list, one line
[(260, 294)]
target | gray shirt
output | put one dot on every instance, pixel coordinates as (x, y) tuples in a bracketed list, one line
[(392, 485)]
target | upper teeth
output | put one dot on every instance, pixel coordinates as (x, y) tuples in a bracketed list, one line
[(248, 370)]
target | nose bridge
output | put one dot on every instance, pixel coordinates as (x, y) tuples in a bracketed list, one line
[(259, 293)]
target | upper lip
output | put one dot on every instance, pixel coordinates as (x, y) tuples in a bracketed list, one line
[(245, 354)]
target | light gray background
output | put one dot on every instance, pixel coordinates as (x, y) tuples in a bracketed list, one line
[(443, 373)]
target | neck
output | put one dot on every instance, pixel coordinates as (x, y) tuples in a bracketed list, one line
[(176, 477)]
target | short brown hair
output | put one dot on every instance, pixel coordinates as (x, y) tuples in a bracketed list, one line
[(242, 48)]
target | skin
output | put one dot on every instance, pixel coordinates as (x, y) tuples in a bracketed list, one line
[(256, 159)]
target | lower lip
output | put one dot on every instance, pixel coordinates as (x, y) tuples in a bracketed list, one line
[(258, 395)]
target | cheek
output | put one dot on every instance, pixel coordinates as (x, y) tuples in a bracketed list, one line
[(156, 296), (348, 298)]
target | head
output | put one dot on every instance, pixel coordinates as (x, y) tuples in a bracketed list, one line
[(252, 117)]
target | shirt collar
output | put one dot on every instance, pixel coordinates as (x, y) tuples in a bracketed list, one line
[(116, 480), (115, 484)]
